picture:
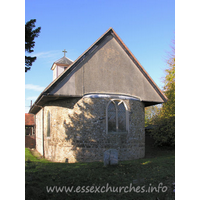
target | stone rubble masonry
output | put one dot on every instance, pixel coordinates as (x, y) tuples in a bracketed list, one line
[(78, 131)]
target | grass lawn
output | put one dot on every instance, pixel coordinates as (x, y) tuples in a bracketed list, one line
[(33, 157), (135, 179)]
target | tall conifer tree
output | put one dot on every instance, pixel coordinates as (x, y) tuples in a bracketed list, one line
[(30, 35)]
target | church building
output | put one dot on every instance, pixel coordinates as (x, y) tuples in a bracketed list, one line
[(94, 104)]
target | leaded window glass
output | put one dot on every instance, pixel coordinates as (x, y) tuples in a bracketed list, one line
[(116, 117)]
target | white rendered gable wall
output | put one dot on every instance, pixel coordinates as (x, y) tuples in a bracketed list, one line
[(57, 71), (60, 69)]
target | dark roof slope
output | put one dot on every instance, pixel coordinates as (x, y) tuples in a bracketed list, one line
[(46, 96)]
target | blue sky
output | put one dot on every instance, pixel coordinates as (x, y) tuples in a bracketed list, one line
[(147, 27)]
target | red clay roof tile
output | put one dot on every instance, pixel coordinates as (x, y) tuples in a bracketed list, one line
[(29, 119)]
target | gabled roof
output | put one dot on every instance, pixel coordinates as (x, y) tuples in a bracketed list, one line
[(46, 96), (29, 119), (62, 61)]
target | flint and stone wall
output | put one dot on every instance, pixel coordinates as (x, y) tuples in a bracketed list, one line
[(78, 131)]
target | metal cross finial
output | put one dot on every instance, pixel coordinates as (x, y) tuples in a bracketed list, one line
[(64, 52)]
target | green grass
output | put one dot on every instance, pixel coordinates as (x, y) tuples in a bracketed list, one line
[(30, 158), (148, 172)]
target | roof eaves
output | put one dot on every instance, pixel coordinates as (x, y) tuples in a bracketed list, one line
[(67, 71), (137, 63), (83, 55), (53, 66), (62, 61)]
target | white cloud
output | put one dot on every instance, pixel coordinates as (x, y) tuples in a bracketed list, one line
[(32, 98), (34, 87), (46, 54)]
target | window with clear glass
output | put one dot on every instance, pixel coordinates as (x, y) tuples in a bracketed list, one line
[(116, 117)]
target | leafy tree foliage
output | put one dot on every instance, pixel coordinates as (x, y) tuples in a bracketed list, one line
[(151, 112), (30, 35), (164, 121)]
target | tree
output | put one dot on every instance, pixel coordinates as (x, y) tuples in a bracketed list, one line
[(151, 112), (164, 121), (30, 35)]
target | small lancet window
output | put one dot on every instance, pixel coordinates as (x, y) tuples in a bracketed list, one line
[(48, 124)]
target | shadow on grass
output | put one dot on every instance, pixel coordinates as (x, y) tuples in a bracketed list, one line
[(147, 172)]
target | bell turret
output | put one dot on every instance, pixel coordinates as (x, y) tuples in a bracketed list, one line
[(60, 65)]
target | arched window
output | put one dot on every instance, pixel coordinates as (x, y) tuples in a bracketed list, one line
[(117, 117), (112, 117), (48, 124), (121, 117)]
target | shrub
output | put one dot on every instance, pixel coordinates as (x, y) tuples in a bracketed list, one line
[(164, 131)]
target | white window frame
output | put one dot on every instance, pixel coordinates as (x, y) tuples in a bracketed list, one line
[(116, 108)]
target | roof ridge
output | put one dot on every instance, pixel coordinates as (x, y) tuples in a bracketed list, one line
[(64, 57), (64, 61), (130, 54), (73, 65), (141, 68)]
